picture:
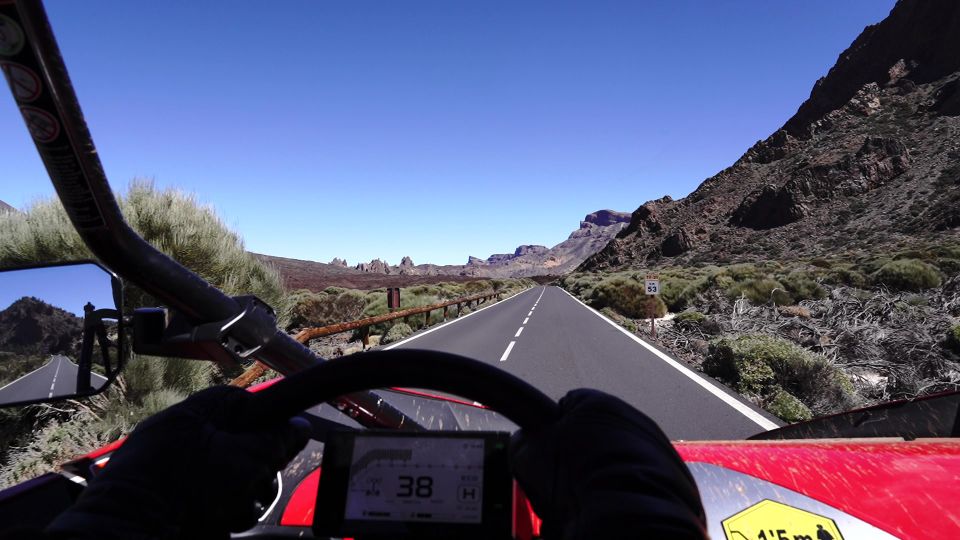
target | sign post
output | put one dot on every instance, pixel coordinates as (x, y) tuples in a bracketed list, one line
[(393, 298), (652, 288)]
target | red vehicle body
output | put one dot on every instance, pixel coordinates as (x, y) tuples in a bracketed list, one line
[(906, 489)]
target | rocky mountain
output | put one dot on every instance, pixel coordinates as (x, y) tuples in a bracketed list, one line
[(4, 207), (32, 326), (317, 276), (871, 159), (596, 230)]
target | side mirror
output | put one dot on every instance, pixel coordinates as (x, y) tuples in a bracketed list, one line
[(61, 332)]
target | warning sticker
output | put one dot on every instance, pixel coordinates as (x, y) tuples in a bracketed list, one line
[(42, 125), (771, 520), (23, 81), (11, 37)]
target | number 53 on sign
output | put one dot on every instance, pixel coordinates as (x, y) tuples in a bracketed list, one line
[(652, 284)]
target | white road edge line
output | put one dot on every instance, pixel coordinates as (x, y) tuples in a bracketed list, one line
[(92, 374), (435, 328), (27, 375), (518, 332), (506, 353), (525, 320), (720, 394)]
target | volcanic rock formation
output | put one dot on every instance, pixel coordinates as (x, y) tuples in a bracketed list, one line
[(871, 158)]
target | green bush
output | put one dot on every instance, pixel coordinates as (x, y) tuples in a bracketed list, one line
[(907, 275), (802, 286), (761, 291), (848, 277), (170, 220), (786, 406), (627, 297), (764, 365), (679, 293), (691, 317), (396, 333)]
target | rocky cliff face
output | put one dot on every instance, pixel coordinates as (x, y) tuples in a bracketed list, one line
[(596, 229), (32, 326), (871, 158), (4, 207)]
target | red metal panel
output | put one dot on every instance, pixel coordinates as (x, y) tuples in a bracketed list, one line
[(299, 510), (909, 489)]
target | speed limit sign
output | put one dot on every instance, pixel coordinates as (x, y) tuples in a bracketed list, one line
[(652, 284)]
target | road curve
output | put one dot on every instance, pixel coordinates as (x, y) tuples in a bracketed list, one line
[(553, 341)]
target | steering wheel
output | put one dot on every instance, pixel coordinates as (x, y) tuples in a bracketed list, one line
[(516, 399)]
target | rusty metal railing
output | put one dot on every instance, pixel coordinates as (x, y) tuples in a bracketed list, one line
[(254, 372)]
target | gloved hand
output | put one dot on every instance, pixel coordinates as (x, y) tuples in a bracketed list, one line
[(606, 470), (192, 470)]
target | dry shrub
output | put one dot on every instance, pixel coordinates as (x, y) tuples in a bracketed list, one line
[(907, 275), (764, 366)]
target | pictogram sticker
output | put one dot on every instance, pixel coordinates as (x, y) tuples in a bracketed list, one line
[(11, 36), (23, 81), (42, 125), (771, 520)]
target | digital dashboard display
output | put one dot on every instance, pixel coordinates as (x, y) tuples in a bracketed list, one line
[(379, 484), (410, 479)]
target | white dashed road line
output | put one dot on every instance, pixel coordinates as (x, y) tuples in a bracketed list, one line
[(452, 321), (55, 373), (525, 320), (518, 332), (506, 353)]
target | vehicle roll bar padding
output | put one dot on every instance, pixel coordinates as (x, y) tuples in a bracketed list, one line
[(503, 392)]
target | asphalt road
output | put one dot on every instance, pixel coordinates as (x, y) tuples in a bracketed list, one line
[(58, 377), (556, 343)]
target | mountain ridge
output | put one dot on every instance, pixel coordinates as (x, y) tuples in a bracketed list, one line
[(881, 168)]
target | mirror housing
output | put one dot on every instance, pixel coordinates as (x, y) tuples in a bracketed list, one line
[(61, 332)]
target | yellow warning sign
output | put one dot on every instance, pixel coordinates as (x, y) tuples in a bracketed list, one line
[(770, 520)]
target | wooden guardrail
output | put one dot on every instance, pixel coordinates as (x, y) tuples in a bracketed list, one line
[(307, 334), (254, 372)]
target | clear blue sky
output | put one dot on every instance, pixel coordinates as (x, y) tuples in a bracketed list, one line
[(434, 129), (66, 287)]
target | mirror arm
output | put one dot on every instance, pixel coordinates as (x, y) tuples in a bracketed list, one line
[(164, 332), (93, 328)]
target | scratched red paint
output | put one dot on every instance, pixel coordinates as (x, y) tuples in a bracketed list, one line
[(909, 489)]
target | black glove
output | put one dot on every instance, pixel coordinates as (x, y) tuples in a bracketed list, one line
[(606, 470), (189, 471)]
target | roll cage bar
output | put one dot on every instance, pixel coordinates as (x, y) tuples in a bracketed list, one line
[(57, 126)]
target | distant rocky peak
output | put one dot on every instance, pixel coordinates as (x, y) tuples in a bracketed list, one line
[(337, 261), (407, 261), (605, 218), (375, 266), (530, 250), (4, 207)]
